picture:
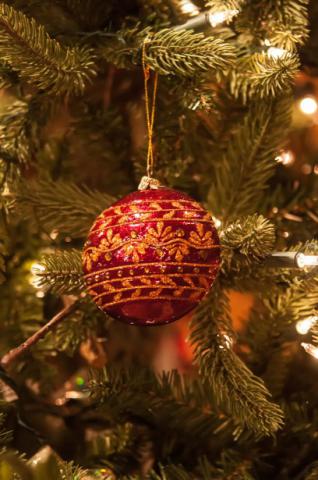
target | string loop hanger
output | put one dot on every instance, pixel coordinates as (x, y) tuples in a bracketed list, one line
[(150, 109)]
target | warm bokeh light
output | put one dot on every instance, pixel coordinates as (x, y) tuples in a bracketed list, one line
[(303, 326), (308, 105), (188, 8), (286, 157)]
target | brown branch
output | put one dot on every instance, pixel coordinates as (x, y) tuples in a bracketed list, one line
[(25, 346)]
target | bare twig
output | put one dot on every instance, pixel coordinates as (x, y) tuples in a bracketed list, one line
[(25, 346)]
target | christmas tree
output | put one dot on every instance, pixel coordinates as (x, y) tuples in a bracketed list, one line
[(230, 390)]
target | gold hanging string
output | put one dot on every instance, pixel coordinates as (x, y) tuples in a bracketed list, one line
[(150, 112)]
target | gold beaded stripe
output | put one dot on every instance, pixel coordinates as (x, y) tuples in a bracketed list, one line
[(147, 279), (157, 289), (125, 300), (166, 216), (152, 264), (158, 245)]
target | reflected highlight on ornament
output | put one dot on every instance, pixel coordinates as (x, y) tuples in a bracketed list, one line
[(303, 326), (286, 157), (308, 105), (220, 17), (311, 349)]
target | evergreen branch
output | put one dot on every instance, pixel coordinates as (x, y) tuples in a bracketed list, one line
[(20, 125), (313, 474), (18, 465), (78, 327), (249, 160), (186, 53), (161, 12), (283, 307), (41, 60), (15, 353), (5, 435), (288, 26), (277, 369), (8, 77), (168, 401), (250, 240), (262, 277), (259, 75), (61, 272), (69, 471), (314, 332), (231, 467), (170, 52), (61, 205), (235, 387)]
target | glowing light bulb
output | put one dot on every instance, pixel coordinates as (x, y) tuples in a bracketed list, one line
[(188, 8), (311, 349), (220, 17), (286, 157), (304, 261), (274, 52), (217, 221), (36, 269), (54, 234), (308, 105), (303, 326)]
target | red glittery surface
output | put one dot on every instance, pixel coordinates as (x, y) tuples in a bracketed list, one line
[(151, 257)]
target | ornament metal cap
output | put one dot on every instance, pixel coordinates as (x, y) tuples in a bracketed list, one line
[(149, 183)]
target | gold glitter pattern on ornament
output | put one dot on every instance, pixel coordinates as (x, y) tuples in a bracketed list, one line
[(157, 238)]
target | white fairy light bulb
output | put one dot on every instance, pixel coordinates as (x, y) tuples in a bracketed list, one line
[(36, 269), (308, 105), (222, 16), (311, 349), (303, 326), (286, 157), (304, 261), (274, 52), (217, 221)]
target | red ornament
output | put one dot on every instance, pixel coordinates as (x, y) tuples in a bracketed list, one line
[(151, 257)]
